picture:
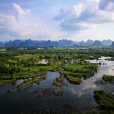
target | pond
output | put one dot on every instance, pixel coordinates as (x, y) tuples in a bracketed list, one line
[(43, 61), (79, 96)]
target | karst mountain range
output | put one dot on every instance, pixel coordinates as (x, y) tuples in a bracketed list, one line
[(49, 43)]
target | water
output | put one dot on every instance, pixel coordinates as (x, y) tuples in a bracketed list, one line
[(74, 61), (43, 61), (80, 96)]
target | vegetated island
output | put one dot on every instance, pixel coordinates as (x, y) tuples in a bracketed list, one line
[(75, 71), (108, 77)]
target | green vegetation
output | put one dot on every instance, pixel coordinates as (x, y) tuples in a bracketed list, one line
[(75, 71), (58, 82), (74, 79), (108, 78), (55, 90), (105, 100), (27, 82), (25, 64), (22, 64), (5, 82)]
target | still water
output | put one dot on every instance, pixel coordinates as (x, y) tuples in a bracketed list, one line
[(80, 96), (43, 61)]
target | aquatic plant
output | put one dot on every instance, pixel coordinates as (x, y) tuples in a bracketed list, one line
[(57, 78), (104, 99), (40, 95), (18, 85), (74, 79), (9, 89), (108, 78), (44, 89)]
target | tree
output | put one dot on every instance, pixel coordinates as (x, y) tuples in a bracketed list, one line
[(12, 76)]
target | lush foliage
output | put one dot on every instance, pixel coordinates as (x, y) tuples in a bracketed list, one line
[(108, 78), (105, 100)]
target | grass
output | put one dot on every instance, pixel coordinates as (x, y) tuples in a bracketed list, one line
[(13, 61), (74, 79), (24, 57), (105, 100), (108, 78), (79, 75), (75, 71)]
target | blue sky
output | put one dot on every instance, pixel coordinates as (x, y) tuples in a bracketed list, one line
[(75, 20)]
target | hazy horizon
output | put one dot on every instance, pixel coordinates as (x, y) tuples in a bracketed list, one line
[(54, 40)]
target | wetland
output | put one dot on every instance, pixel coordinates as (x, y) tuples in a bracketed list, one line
[(56, 81)]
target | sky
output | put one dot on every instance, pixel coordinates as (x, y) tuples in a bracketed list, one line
[(75, 20)]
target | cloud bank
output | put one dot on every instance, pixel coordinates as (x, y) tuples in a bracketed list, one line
[(15, 26), (86, 15)]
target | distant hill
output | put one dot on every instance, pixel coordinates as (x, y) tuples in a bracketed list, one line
[(75, 45), (49, 43), (1, 44), (89, 42), (98, 43), (65, 42), (107, 42), (112, 44), (81, 43)]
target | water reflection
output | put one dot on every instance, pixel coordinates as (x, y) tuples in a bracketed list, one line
[(19, 81), (74, 61), (43, 61)]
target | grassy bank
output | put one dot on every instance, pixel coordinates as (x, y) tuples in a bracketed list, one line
[(108, 78)]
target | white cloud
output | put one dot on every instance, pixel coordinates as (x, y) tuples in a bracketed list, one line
[(67, 12), (77, 92), (89, 19), (86, 86), (20, 13), (93, 1), (7, 20), (110, 7), (12, 29), (80, 94), (47, 34), (73, 90), (85, 15), (106, 4)]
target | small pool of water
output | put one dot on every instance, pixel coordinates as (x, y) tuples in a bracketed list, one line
[(43, 61)]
